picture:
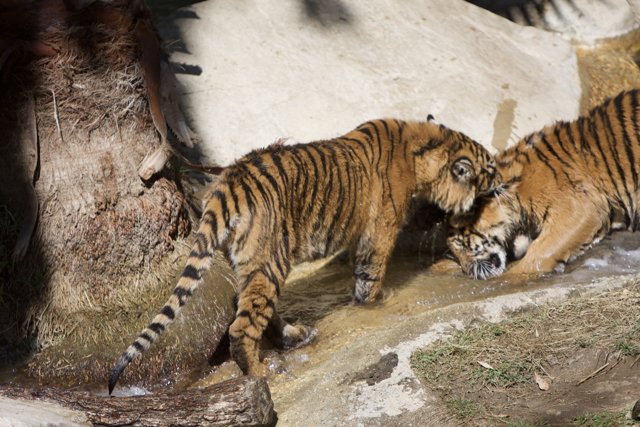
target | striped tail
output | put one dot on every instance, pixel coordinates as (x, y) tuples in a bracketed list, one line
[(208, 237)]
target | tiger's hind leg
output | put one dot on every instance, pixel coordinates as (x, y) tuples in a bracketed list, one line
[(256, 307), (286, 336), (564, 236)]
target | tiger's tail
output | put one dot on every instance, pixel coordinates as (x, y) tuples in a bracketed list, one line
[(208, 237)]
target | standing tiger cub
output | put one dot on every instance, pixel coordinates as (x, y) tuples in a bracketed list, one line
[(286, 204), (566, 186)]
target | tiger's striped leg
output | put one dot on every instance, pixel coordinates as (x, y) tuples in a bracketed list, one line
[(372, 254), (284, 335), (563, 237), (256, 306)]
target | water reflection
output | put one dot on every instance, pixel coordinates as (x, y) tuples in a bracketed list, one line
[(321, 298)]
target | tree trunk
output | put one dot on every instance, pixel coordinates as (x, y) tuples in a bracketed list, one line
[(244, 401), (86, 97)]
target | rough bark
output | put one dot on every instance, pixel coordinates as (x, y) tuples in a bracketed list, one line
[(83, 239), (86, 356), (244, 401)]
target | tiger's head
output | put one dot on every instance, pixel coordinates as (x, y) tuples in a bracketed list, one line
[(483, 239), (451, 168)]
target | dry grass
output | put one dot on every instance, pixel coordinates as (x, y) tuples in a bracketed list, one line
[(602, 419), (608, 68), (523, 344), (92, 339), (504, 357), (79, 82)]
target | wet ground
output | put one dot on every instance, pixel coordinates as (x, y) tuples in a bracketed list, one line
[(357, 371)]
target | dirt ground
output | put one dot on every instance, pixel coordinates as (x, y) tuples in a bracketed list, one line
[(584, 352)]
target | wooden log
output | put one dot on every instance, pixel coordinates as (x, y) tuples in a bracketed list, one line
[(244, 401)]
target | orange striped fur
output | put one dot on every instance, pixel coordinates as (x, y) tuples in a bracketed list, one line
[(567, 186), (285, 204)]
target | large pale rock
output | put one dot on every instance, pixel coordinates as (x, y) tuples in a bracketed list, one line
[(635, 9), (590, 20), (34, 413), (580, 20), (275, 68)]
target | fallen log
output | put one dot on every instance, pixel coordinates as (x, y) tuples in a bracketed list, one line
[(244, 401)]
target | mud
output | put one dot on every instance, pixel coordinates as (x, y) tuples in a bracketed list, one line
[(616, 387), (381, 370)]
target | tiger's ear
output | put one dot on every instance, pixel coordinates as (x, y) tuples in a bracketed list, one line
[(431, 119), (462, 170)]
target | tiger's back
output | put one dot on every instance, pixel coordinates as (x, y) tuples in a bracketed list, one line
[(598, 153), (567, 186), (285, 204), (311, 198)]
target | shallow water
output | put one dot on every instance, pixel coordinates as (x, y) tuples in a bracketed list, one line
[(314, 383), (315, 293), (319, 295)]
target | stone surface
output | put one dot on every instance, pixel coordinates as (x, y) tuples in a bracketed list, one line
[(31, 413), (419, 307), (635, 9), (282, 69), (352, 342), (583, 20)]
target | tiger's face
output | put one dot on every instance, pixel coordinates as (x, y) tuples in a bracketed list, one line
[(453, 169), (481, 240)]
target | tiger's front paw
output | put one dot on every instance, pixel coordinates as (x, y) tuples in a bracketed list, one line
[(297, 335), (445, 266), (517, 279), (366, 291)]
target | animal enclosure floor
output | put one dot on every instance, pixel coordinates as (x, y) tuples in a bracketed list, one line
[(358, 369)]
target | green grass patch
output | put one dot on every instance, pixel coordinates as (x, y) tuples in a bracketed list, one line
[(507, 374), (627, 347), (470, 354), (602, 419), (464, 408)]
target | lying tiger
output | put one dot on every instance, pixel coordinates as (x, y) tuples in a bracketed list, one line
[(566, 187), (289, 203)]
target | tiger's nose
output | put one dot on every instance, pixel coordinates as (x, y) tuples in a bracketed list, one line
[(494, 259)]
